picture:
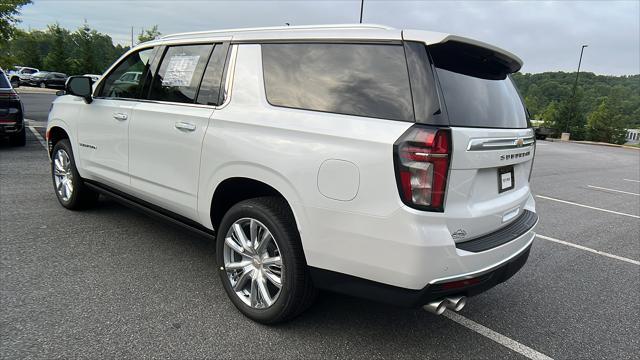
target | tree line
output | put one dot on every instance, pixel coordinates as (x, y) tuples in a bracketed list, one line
[(83, 51), (601, 110)]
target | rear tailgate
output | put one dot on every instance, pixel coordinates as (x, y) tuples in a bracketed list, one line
[(483, 195), (492, 142)]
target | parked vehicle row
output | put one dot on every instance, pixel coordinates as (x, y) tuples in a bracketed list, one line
[(11, 113), (20, 74), (388, 164), (27, 76), (45, 79)]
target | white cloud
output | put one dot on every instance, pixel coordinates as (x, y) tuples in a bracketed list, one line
[(547, 35)]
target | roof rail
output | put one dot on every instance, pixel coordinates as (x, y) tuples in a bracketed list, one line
[(280, 28)]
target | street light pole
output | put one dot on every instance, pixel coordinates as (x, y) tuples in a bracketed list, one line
[(575, 87), (578, 72), (361, 8)]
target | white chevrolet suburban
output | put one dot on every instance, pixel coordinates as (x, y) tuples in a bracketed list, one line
[(388, 164)]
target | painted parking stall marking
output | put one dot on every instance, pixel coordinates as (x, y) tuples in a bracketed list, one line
[(612, 190), (495, 336), (38, 136), (621, 258), (587, 206)]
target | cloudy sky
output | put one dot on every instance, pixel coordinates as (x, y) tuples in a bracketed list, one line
[(547, 35)]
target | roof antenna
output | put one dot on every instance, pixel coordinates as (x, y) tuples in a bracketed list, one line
[(361, 8), (287, 24)]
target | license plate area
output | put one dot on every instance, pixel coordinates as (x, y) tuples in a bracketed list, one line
[(506, 179)]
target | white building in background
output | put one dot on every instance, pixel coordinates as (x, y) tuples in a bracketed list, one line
[(633, 136)]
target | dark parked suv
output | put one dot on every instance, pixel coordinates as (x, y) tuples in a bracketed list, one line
[(48, 79), (11, 113)]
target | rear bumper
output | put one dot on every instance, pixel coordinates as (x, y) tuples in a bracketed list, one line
[(469, 284), (10, 128)]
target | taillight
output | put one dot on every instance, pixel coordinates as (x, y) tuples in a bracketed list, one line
[(11, 95), (421, 157)]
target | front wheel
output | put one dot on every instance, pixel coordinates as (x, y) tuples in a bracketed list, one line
[(261, 262), (43, 85), (70, 189)]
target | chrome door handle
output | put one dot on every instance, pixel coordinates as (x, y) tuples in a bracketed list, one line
[(183, 126), (120, 116)]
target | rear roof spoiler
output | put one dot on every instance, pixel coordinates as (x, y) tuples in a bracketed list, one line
[(447, 49)]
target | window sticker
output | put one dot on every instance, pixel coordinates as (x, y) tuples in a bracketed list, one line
[(180, 70)]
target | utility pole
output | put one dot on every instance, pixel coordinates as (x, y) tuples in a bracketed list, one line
[(361, 8), (575, 87)]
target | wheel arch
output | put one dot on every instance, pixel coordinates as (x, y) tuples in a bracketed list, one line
[(255, 176), (234, 189), (54, 134)]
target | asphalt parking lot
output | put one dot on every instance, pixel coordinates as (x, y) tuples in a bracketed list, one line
[(111, 282)]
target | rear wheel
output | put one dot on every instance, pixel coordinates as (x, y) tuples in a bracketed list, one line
[(261, 262), (19, 139), (70, 189), (43, 85), (15, 82)]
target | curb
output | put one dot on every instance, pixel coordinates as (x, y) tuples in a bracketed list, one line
[(33, 90), (593, 143)]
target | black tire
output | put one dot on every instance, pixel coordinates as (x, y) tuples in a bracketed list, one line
[(15, 82), (297, 292), (81, 197), (19, 139), (43, 85)]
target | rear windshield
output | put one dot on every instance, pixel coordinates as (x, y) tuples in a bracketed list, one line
[(4, 84), (354, 79), (476, 102), (476, 87)]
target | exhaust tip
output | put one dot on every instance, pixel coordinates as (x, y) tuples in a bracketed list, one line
[(436, 307), (455, 303)]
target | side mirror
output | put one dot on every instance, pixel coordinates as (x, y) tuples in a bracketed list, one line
[(79, 86)]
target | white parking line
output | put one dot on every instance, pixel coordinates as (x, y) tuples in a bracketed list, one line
[(614, 190), (589, 249), (39, 137), (587, 206), (638, 181), (497, 337)]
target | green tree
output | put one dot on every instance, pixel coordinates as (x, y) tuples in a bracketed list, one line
[(9, 11), (57, 59), (84, 60), (149, 34), (605, 125), (550, 115)]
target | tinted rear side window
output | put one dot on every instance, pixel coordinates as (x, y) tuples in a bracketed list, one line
[(209, 93), (354, 79), (475, 102), (4, 84)]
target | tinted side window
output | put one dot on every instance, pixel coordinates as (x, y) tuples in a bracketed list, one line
[(423, 85), (4, 84), (209, 93), (180, 72), (124, 81), (355, 79)]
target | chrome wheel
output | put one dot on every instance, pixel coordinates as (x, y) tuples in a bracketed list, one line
[(62, 174), (253, 264)]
